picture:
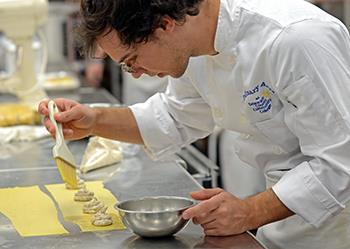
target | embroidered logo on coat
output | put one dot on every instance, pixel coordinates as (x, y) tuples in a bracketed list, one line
[(259, 98)]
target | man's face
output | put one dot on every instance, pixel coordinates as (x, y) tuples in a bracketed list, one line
[(158, 57)]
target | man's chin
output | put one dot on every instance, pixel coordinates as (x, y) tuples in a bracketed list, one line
[(177, 74)]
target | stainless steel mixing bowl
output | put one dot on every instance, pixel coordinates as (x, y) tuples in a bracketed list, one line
[(154, 216)]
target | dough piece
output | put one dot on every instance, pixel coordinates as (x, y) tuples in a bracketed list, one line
[(31, 212), (18, 114), (83, 195), (103, 222), (72, 210), (93, 206), (101, 218)]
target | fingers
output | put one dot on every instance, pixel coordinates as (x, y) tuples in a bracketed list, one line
[(69, 111), (62, 104), (213, 232), (49, 126), (205, 207), (209, 225), (218, 231), (203, 220), (42, 108), (206, 193), (69, 115), (215, 228), (68, 133)]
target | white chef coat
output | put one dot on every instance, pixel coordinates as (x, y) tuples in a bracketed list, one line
[(281, 79)]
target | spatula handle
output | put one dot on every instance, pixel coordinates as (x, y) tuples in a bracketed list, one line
[(58, 126)]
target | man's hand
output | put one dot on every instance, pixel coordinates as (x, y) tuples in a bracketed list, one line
[(221, 214), (77, 120)]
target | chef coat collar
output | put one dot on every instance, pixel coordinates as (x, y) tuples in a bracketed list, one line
[(227, 27)]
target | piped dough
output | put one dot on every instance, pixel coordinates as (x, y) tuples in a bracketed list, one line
[(83, 195), (101, 218), (93, 206)]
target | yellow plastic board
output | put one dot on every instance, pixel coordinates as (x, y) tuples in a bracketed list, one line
[(31, 211), (73, 211)]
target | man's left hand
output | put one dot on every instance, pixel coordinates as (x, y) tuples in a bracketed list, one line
[(219, 212)]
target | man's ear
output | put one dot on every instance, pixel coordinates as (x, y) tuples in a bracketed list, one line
[(167, 24)]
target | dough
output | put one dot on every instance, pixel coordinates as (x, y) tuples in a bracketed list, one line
[(72, 210), (31, 212), (101, 218), (83, 195), (18, 114), (103, 222), (93, 206)]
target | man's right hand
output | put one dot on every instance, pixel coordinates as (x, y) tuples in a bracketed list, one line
[(77, 120)]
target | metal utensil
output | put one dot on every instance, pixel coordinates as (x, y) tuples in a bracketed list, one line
[(154, 216)]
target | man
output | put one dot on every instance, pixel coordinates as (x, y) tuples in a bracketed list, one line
[(277, 71)]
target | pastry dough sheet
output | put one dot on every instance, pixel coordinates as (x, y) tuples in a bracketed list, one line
[(31, 211), (73, 211)]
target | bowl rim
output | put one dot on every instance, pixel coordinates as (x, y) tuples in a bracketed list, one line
[(117, 206)]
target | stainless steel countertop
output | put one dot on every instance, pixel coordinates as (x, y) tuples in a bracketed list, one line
[(31, 163)]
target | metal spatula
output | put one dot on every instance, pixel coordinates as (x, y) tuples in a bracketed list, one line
[(61, 153)]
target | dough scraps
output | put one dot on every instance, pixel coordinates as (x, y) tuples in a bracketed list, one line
[(72, 210), (31, 211)]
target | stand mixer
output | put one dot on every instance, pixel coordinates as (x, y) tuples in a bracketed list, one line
[(19, 21)]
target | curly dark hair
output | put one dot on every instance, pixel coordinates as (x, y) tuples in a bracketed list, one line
[(134, 20)]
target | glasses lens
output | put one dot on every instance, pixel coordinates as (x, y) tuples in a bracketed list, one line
[(125, 68)]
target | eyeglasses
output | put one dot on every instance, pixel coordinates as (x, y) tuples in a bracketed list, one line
[(99, 54), (126, 68)]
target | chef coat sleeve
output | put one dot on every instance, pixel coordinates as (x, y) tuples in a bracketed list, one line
[(171, 120), (311, 63)]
